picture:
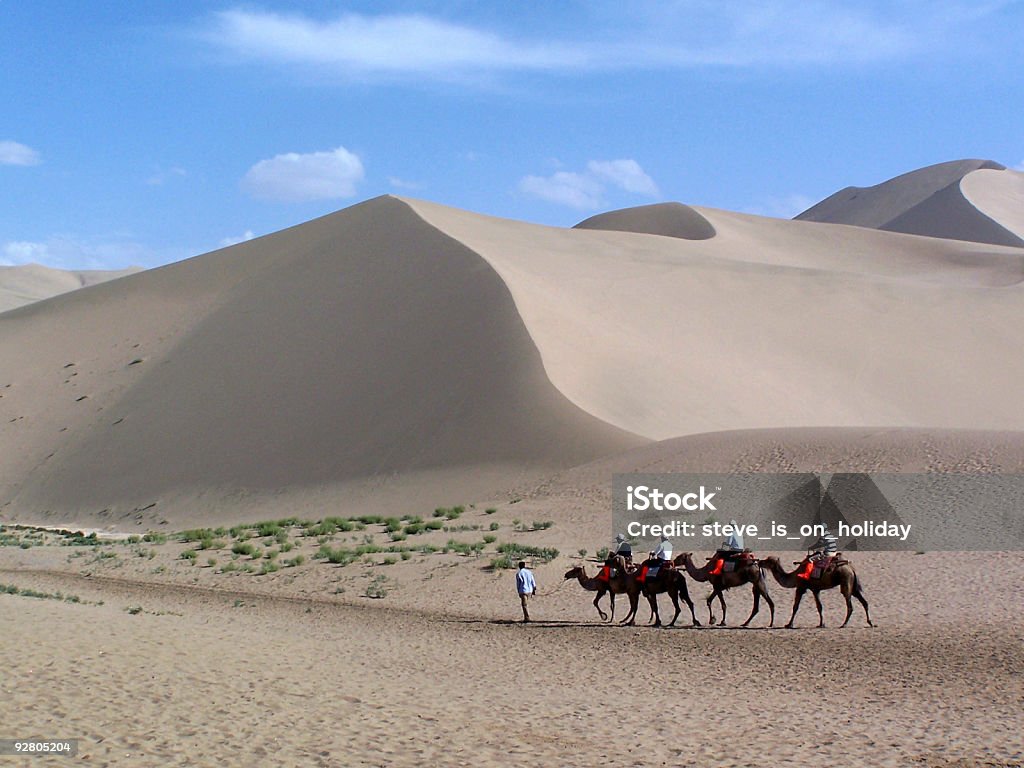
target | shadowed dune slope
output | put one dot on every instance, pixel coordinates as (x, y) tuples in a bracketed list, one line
[(667, 219), (363, 347), (928, 202), (27, 283)]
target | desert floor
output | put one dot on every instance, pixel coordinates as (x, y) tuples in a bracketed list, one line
[(157, 666)]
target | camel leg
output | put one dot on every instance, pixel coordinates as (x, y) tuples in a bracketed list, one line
[(763, 587), (674, 596), (756, 608), (847, 590), (721, 599), (634, 605), (859, 594), (711, 616), (653, 600), (602, 614), (686, 596), (796, 605), (611, 596), (821, 615)]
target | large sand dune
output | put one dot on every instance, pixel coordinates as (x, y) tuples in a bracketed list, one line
[(362, 351), (27, 283), (934, 202), (403, 353)]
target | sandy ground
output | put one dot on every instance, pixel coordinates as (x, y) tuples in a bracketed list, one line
[(238, 671)]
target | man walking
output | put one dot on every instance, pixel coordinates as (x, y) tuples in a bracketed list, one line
[(526, 586)]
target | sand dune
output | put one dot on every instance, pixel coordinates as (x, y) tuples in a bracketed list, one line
[(668, 219), (930, 201), (402, 352), (27, 283), (770, 323), (365, 351), (999, 195)]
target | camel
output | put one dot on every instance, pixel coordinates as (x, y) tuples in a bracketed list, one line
[(669, 581), (618, 585), (842, 576), (625, 582), (748, 571)]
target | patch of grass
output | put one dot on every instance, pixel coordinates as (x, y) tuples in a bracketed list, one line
[(413, 528), (244, 548), (406, 555), (13, 589), (297, 560), (490, 511), (269, 566), (389, 560), (602, 554), (494, 526), (189, 554), (511, 553), (490, 539), (379, 587), (434, 525), (582, 553), (155, 538)]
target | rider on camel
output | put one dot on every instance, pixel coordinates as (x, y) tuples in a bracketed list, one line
[(730, 549)]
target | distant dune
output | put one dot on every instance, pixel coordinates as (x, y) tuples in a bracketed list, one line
[(668, 219), (401, 354), (24, 284), (933, 202)]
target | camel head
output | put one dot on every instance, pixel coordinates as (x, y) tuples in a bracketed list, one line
[(682, 558), (573, 573), (768, 562)]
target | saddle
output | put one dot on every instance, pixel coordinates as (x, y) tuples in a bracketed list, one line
[(815, 569), (727, 562)]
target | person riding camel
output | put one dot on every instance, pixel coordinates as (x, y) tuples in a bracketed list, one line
[(729, 549), (624, 549), (661, 557), (822, 552)]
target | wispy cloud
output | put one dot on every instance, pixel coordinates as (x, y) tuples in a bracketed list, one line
[(294, 177), (242, 238), (586, 191), (785, 207), (64, 252), (398, 183), (13, 153), (647, 35), (162, 177)]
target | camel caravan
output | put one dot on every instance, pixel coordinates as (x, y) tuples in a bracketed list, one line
[(731, 566)]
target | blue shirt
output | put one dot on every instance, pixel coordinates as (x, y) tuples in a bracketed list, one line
[(525, 584)]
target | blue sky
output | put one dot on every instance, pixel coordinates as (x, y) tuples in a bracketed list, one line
[(146, 132)]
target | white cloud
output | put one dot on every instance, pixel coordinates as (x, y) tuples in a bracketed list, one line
[(13, 153), (1019, 166), (63, 252), (641, 35), (387, 43), (243, 238), (586, 191), (398, 183), (162, 177), (572, 189), (626, 174), (293, 177), (785, 207), (23, 252)]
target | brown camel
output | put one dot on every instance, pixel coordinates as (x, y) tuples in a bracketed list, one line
[(747, 571), (842, 576), (668, 581), (620, 584)]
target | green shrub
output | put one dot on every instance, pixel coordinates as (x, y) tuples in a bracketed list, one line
[(189, 554), (490, 539), (244, 548), (490, 511), (495, 526)]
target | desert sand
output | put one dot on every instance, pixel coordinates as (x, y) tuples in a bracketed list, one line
[(25, 284), (359, 416)]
